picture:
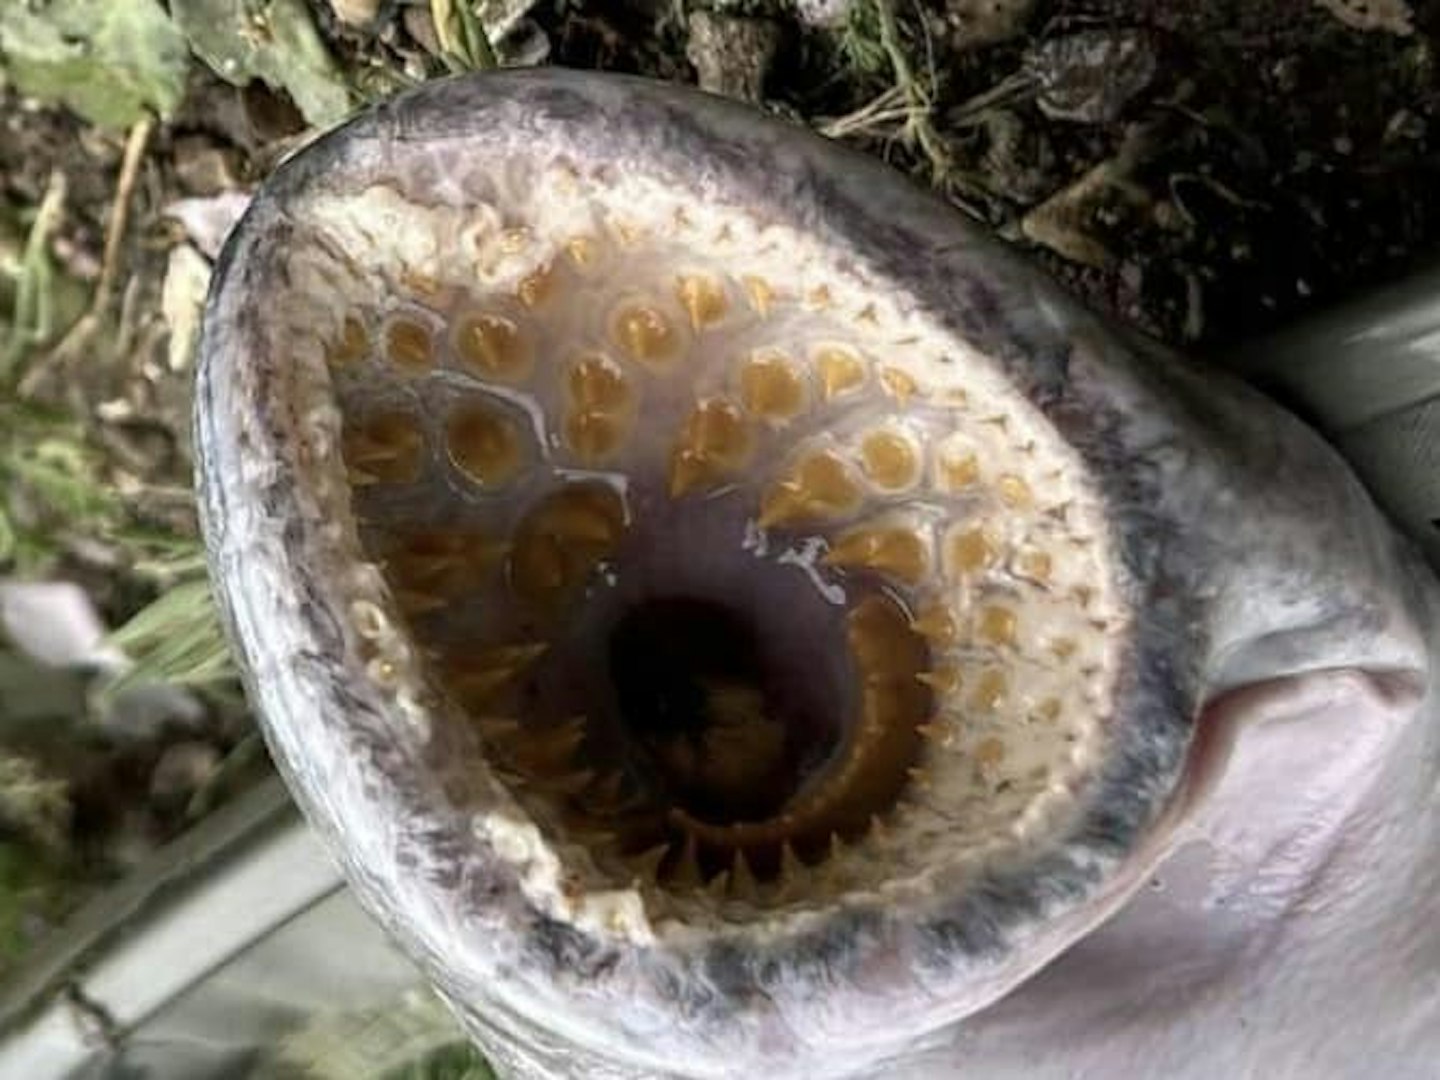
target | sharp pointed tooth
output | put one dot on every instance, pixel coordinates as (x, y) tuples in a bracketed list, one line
[(569, 785), (412, 602), (475, 680), (607, 795), (878, 829), (941, 680), (742, 882), (937, 731), (760, 294), (936, 625), (834, 873), (550, 749), (594, 837), (718, 886), (792, 870), (476, 689), (498, 728), (687, 871), (894, 551), (647, 864), (920, 777)]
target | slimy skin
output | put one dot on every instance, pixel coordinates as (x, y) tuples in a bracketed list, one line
[(726, 615)]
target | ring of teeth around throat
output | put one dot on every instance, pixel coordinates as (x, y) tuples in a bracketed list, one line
[(534, 386)]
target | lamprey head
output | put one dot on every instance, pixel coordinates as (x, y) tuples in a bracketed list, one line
[(723, 613)]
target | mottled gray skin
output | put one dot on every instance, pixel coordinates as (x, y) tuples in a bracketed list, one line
[(1257, 570)]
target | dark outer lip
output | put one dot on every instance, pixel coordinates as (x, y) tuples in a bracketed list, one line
[(860, 962)]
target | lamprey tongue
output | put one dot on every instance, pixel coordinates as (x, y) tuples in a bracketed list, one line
[(690, 577)]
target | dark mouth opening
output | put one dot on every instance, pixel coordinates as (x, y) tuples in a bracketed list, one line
[(715, 723)]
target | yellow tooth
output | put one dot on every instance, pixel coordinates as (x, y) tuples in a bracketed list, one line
[(413, 603), (990, 752), (569, 785), (686, 875), (899, 384), (942, 680), (602, 410), (896, 552), (742, 882), (563, 538), (715, 443), (408, 345), (584, 251), (646, 865), (427, 285), (1063, 647), (536, 287), (889, 460), (594, 436), (841, 371), (957, 471), (703, 299), (996, 625), (484, 445), (352, 345), (770, 387), (819, 298), (581, 830), (498, 729), (597, 383), (794, 874), (936, 731), (646, 336), (550, 750), (718, 886), (494, 347), (608, 794), (386, 447), (969, 551), (1048, 710), (937, 626), (516, 239), (1014, 492), (475, 679), (440, 563), (955, 397), (817, 487), (760, 294), (627, 232), (990, 690), (881, 640), (1035, 565)]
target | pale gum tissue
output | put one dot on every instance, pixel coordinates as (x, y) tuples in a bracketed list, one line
[(998, 573)]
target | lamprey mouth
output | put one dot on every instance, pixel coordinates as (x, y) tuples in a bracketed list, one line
[(650, 531)]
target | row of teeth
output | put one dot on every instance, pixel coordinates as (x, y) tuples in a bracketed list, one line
[(1011, 643)]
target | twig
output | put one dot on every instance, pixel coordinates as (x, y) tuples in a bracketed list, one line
[(30, 317), (920, 124), (888, 107), (90, 323), (464, 42)]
